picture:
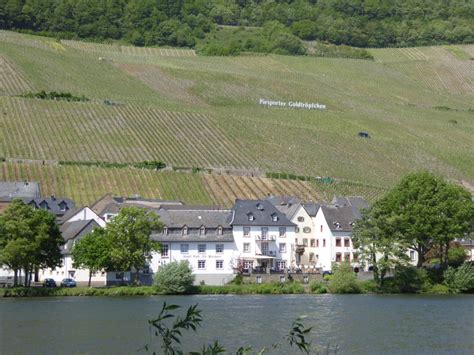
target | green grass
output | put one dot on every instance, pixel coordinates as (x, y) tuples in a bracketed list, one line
[(394, 98)]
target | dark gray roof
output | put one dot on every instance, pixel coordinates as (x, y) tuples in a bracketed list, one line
[(51, 204), (177, 236), (339, 219), (19, 189), (192, 217), (311, 208), (285, 204), (262, 216), (71, 230)]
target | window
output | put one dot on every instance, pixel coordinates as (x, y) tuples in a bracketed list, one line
[(264, 232), (317, 243), (281, 265), (321, 228), (300, 219), (202, 230), (165, 230), (251, 217), (355, 256), (305, 242), (260, 207), (201, 264), (62, 207), (306, 230), (347, 257), (282, 247), (274, 218), (184, 248), (297, 229), (165, 250), (311, 257), (201, 248), (282, 232), (338, 242), (219, 230), (347, 242), (185, 230), (296, 241), (338, 257), (246, 247), (312, 242), (219, 248), (324, 243), (248, 264), (412, 254), (219, 264), (246, 231)]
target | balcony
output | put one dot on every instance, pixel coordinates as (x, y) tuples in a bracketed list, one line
[(265, 238)]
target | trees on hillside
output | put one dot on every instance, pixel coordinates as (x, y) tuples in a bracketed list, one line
[(149, 22), (421, 213), (29, 240)]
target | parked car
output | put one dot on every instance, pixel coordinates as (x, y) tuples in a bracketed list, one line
[(49, 283), (68, 283)]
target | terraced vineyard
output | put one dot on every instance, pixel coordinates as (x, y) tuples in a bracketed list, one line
[(187, 110), (87, 184)]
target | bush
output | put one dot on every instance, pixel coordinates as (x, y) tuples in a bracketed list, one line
[(344, 280), (461, 279), (174, 278), (317, 287), (438, 289), (411, 280)]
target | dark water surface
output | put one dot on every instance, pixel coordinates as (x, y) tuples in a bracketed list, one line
[(358, 324)]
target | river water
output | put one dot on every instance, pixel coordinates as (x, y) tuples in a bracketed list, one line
[(356, 324)]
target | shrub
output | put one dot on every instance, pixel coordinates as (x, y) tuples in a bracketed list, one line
[(439, 289), (344, 280), (174, 278), (317, 287), (461, 279), (411, 280)]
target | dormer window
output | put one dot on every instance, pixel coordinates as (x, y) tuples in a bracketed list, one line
[(259, 207), (251, 217), (219, 230), (44, 205), (33, 205), (202, 230), (63, 206), (165, 230), (274, 217), (337, 225), (185, 230)]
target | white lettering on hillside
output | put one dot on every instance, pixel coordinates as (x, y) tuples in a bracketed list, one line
[(292, 104)]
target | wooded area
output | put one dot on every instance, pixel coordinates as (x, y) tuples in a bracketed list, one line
[(188, 23)]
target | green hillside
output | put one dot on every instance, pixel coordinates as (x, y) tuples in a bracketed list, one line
[(168, 104)]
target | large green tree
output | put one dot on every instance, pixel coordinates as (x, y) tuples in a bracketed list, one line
[(421, 213), (92, 252), (129, 236), (431, 213), (29, 240)]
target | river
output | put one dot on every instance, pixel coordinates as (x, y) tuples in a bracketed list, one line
[(357, 324)]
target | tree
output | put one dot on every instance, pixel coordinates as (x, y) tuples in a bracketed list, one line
[(430, 212), (378, 241), (174, 278), (92, 252), (129, 237), (29, 239)]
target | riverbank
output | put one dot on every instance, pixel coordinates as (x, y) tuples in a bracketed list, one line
[(365, 287)]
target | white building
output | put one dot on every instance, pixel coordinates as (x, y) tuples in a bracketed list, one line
[(264, 236), (201, 235)]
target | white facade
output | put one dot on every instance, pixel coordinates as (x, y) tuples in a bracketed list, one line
[(211, 261), (266, 246), (85, 214)]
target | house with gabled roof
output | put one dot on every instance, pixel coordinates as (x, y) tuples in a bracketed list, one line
[(264, 236)]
